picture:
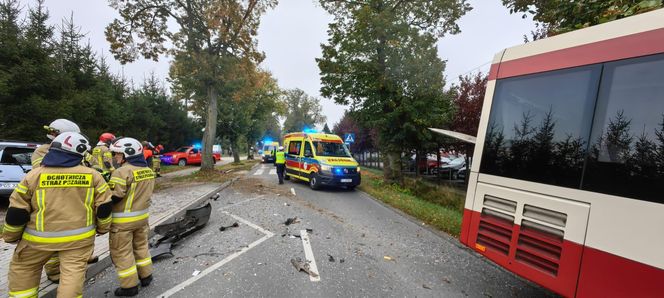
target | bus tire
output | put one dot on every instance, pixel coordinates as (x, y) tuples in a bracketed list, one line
[(314, 182)]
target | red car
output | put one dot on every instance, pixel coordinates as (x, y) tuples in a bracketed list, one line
[(185, 156)]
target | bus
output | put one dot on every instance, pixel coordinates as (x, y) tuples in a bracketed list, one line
[(567, 184)]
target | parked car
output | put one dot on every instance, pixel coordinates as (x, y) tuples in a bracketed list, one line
[(14, 163), (452, 168), (186, 155)]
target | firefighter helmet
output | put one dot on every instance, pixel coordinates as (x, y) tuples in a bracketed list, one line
[(59, 126), (71, 142), (127, 146), (106, 138)]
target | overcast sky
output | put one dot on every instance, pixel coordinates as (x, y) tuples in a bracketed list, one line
[(291, 34)]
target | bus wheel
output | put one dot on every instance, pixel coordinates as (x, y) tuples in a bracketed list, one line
[(313, 181)]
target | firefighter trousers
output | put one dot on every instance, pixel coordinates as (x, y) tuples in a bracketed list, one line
[(130, 254), (26, 267)]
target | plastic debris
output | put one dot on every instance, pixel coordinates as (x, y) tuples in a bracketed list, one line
[(196, 272), (302, 266), (426, 287), (331, 258), (234, 225), (215, 196), (291, 221), (388, 258), (292, 190)]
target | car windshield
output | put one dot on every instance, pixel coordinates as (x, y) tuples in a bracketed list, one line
[(183, 149), (331, 149), (9, 158)]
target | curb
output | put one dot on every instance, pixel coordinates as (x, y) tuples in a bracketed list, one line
[(104, 262)]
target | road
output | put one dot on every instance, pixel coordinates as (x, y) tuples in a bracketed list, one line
[(359, 246)]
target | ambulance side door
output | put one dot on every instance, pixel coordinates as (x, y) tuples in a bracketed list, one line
[(294, 155)]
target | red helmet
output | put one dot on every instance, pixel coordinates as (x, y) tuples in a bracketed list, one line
[(106, 138)]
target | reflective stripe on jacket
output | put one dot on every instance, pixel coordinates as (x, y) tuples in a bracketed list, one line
[(281, 157), (134, 185)]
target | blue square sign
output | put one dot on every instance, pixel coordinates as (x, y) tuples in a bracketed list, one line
[(349, 138)]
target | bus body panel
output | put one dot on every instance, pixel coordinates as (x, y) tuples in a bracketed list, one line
[(611, 245)]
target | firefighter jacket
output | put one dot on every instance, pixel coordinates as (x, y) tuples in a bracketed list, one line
[(102, 158), (39, 154), (132, 188), (65, 205)]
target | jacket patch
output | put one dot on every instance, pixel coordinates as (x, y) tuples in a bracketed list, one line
[(145, 174), (65, 180)]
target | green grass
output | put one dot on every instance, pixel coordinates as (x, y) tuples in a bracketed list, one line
[(172, 168), (438, 206)]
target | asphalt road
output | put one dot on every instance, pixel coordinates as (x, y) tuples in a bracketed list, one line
[(360, 248)]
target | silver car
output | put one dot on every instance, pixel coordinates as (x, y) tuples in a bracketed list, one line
[(14, 163)]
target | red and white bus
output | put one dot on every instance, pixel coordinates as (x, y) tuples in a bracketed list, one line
[(567, 184)]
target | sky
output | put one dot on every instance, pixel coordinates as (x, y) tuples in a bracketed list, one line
[(291, 34)]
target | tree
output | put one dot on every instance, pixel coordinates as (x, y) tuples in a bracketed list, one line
[(365, 138), (468, 99), (303, 111), (212, 34), (380, 59), (326, 129), (559, 16)]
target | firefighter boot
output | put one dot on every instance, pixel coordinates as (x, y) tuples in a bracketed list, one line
[(146, 281), (133, 291)]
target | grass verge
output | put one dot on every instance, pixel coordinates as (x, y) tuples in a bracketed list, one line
[(438, 206), (172, 168), (220, 174)]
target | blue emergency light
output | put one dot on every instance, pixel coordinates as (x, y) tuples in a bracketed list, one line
[(338, 171)]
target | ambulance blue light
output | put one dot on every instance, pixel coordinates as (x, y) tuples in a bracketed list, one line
[(338, 171), (197, 145), (310, 130)]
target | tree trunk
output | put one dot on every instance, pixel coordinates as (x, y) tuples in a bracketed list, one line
[(210, 133), (236, 151), (392, 169), (250, 151), (417, 163)]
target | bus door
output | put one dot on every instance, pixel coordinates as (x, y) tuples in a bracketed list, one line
[(537, 236)]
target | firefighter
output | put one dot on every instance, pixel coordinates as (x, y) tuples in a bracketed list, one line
[(56, 208), (56, 127), (102, 159), (280, 163), (132, 184), (156, 158)]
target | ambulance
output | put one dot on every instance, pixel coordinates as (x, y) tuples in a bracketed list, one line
[(320, 159), (269, 148)]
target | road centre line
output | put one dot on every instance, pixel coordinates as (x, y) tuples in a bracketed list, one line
[(273, 172), (218, 265), (309, 255)]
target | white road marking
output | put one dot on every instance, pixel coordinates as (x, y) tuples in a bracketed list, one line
[(240, 203), (259, 172), (309, 255), (231, 257), (273, 172)]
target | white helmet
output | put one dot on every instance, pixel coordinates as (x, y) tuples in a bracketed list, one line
[(281, 148), (127, 146), (71, 142), (59, 126)]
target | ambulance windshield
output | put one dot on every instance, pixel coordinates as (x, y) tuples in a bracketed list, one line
[(331, 149)]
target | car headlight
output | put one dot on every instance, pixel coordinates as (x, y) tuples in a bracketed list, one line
[(325, 168)]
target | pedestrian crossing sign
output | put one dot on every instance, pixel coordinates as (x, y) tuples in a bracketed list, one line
[(349, 138)]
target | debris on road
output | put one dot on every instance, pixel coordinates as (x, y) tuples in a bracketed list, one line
[(215, 196), (234, 225), (302, 266), (426, 287), (309, 230), (388, 258), (331, 259), (291, 221), (285, 204), (292, 190), (342, 260), (196, 272), (193, 220), (160, 250)]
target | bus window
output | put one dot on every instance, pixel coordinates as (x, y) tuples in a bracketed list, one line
[(540, 125), (627, 147)]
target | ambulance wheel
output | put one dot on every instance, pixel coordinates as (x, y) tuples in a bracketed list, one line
[(313, 181), (182, 162)]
